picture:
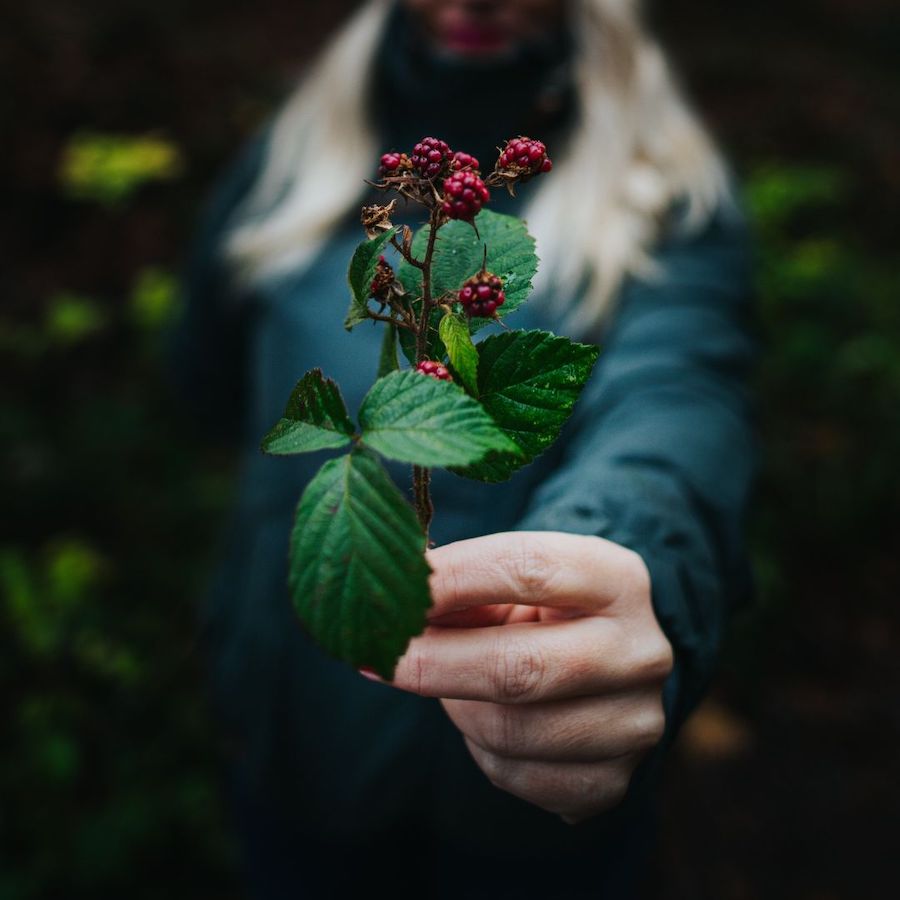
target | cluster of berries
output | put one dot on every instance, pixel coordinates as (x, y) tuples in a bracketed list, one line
[(434, 369), (464, 191), (464, 195), (524, 156), (481, 294)]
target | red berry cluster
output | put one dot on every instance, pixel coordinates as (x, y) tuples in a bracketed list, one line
[(434, 369), (463, 160), (383, 281), (481, 294), (524, 156), (392, 163), (431, 156), (464, 195)]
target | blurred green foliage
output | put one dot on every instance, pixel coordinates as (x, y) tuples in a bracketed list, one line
[(109, 168), (110, 763)]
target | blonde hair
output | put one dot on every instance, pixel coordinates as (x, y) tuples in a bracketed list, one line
[(636, 149)]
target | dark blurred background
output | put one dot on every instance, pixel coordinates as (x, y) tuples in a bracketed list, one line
[(119, 113)]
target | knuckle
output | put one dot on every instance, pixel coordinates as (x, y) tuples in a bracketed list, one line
[(519, 671), (530, 568), (652, 727), (656, 660)]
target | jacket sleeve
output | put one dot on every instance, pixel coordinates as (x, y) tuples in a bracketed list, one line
[(207, 347), (661, 448)]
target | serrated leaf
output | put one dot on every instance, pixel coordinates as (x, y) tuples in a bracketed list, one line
[(360, 275), (529, 382), (413, 418), (454, 332), (387, 361), (358, 575), (458, 254), (315, 418)]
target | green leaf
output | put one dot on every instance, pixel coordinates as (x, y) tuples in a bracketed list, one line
[(454, 331), (528, 381), (360, 275), (413, 418), (458, 254), (387, 361), (315, 418), (358, 575)]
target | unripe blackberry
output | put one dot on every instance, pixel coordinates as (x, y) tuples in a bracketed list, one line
[(434, 369), (462, 160), (524, 156), (383, 281), (394, 164), (464, 195), (481, 294), (431, 157)]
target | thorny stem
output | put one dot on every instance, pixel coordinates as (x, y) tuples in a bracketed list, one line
[(406, 254), (390, 320), (421, 474), (422, 497)]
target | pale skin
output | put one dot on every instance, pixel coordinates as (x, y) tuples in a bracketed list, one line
[(546, 654)]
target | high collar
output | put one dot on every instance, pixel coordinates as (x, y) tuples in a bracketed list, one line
[(474, 105)]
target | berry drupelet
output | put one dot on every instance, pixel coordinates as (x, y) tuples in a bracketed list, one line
[(462, 160), (434, 369), (394, 164)]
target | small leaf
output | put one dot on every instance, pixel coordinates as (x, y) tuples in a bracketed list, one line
[(315, 418), (387, 361), (454, 331), (458, 254), (358, 575), (528, 381), (360, 275), (413, 418)]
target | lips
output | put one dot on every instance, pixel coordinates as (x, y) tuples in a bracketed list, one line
[(474, 38)]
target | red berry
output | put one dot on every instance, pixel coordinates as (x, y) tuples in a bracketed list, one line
[(434, 369), (393, 163), (524, 156), (464, 195), (431, 157), (463, 160), (481, 294)]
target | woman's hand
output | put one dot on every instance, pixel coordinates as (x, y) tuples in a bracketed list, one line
[(546, 654)]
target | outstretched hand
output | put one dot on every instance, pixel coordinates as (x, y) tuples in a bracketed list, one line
[(545, 652)]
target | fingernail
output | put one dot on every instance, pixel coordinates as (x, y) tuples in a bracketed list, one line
[(369, 673)]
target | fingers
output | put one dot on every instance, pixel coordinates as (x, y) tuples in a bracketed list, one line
[(572, 790), (530, 662), (584, 729), (535, 568)]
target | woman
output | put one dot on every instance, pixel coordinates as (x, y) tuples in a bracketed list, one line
[(465, 776)]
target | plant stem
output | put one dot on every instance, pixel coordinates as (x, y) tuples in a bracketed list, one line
[(421, 474), (422, 497)]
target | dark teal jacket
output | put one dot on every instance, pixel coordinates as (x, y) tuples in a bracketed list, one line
[(658, 456)]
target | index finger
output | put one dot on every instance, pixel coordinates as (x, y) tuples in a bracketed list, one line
[(583, 573)]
